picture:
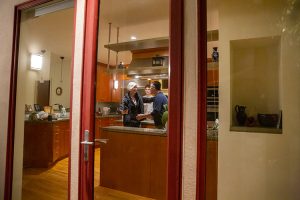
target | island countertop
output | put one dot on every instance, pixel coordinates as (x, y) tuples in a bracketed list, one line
[(136, 130), (147, 121)]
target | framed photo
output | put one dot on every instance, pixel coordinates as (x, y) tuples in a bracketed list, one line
[(37, 107)]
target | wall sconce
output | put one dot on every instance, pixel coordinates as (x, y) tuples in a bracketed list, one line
[(116, 84), (36, 61)]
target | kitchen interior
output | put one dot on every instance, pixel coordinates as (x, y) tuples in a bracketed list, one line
[(131, 47)]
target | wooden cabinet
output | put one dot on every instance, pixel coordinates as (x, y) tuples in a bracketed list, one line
[(45, 142), (134, 163), (106, 121), (212, 74), (211, 169), (104, 84)]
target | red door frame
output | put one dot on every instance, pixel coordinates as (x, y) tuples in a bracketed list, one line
[(176, 91), (12, 95), (89, 56), (86, 169), (201, 109), (175, 97)]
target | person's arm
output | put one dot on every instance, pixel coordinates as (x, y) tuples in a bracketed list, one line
[(143, 116), (156, 109), (124, 106), (148, 99)]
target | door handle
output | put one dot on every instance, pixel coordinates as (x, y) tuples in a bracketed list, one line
[(104, 141), (86, 144)]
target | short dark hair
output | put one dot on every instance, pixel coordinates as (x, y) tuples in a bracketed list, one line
[(147, 86), (157, 85)]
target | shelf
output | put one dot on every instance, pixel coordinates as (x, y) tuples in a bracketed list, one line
[(255, 129), (152, 70), (160, 42), (139, 44)]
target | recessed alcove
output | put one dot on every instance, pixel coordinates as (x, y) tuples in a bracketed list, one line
[(255, 80)]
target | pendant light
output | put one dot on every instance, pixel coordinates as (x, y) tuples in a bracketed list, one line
[(61, 65)]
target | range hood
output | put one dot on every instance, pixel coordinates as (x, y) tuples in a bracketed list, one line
[(143, 67)]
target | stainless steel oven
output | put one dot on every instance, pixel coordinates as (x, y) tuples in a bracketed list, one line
[(212, 103)]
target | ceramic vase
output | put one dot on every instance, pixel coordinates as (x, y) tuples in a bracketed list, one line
[(215, 54), (241, 115)]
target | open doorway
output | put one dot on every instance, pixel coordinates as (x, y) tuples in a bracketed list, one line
[(42, 128), (133, 53)]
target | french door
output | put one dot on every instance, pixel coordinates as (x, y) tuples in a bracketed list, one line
[(88, 100), (81, 166)]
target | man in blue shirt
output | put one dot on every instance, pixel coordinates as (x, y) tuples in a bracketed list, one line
[(158, 105)]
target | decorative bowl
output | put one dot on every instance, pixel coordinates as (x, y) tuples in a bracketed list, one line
[(267, 120)]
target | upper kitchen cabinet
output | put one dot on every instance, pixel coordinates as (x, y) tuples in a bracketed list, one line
[(213, 74), (103, 93), (106, 91)]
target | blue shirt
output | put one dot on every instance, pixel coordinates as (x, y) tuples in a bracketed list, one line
[(158, 108)]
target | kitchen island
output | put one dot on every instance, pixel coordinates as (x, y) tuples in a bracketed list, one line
[(211, 164), (134, 160)]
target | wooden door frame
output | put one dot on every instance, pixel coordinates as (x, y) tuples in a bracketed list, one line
[(176, 88), (86, 169), (13, 92), (201, 109), (176, 92)]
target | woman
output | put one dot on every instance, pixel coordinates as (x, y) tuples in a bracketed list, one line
[(148, 107), (132, 105)]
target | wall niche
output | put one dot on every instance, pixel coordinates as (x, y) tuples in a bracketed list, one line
[(255, 83)]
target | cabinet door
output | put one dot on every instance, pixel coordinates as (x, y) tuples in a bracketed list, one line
[(212, 77), (97, 128), (57, 144), (104, 85)]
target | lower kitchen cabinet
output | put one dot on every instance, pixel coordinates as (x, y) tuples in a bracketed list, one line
[(211, 170), (45, 142), (103, 121)]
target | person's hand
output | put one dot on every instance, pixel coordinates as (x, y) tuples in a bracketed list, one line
[(124, 112), (140, 116)]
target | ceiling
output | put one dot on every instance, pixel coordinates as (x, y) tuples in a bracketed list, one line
[(141, 18)]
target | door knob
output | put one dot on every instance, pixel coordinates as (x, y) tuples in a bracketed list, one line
[(86, 144)]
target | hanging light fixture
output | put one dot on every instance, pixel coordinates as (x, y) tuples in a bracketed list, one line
[(61, 65)]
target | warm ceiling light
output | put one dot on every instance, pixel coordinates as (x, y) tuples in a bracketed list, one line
[(36, 61), (133, 38)]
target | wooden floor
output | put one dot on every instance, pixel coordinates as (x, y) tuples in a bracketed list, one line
[(52, 184)]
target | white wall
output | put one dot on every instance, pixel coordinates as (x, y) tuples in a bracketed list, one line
[(60, 75), (258, 165)]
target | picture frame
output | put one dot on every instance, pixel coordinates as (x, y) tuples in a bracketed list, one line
[(58, 91), (37, 107)]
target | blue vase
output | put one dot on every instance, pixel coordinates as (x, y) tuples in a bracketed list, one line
[(215, 54)]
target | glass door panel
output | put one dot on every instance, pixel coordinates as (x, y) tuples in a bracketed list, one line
[(42, 128), (133, 53)]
